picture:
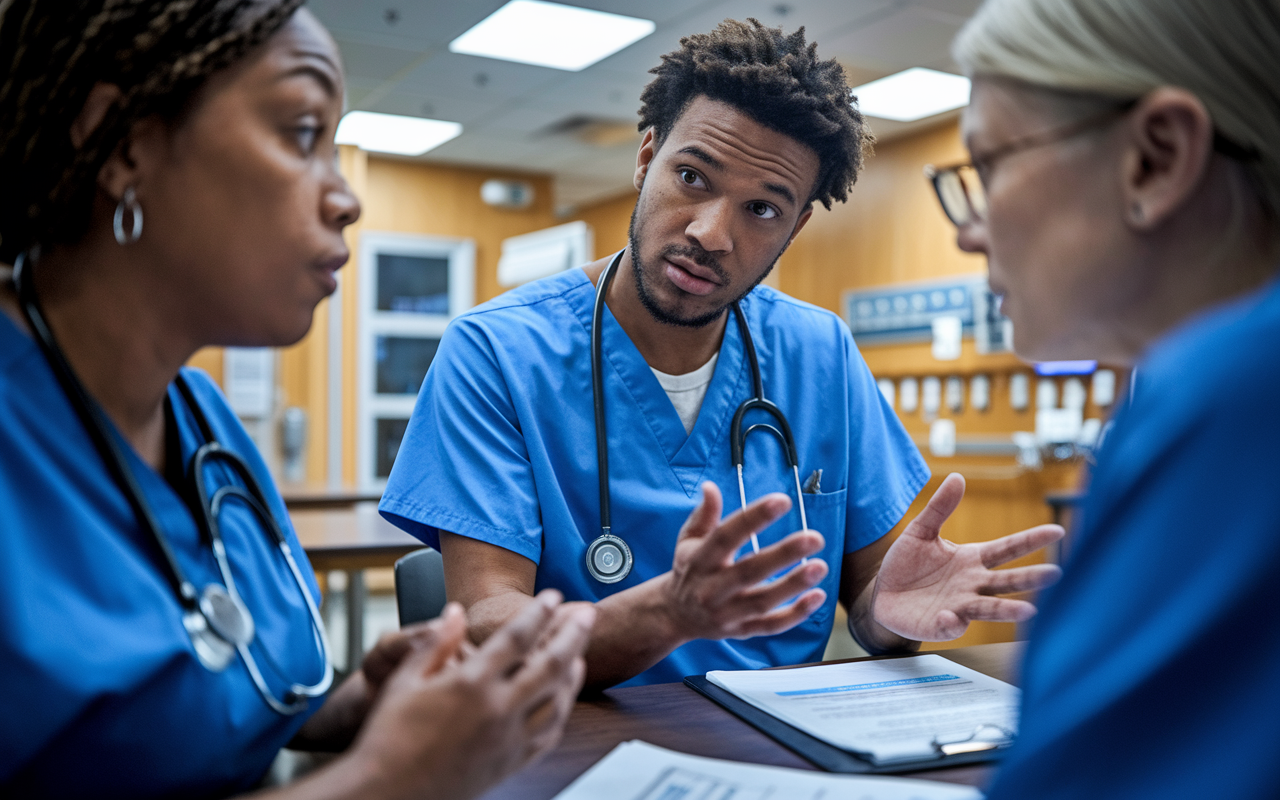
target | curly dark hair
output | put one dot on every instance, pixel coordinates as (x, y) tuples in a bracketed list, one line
[(777, 80), (52, 53)]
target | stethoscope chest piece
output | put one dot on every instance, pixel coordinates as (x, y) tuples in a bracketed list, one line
[(222, 624), (609, 559)]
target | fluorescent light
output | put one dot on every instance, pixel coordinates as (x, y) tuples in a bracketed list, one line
[(392, 133), (551, 35), (913, 94)]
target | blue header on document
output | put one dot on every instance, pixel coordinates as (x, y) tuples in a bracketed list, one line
[(861, 686)]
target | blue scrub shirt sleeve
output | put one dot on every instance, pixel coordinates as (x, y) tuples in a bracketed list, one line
[(886, 469), (462, 465)]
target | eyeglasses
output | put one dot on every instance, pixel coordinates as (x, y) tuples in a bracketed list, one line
[(960, 188)]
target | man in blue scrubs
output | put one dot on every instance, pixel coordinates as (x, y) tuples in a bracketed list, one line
[(744, 130)]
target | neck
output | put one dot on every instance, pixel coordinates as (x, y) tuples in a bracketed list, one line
[(1186, 275), (671, 349), (110, 324)]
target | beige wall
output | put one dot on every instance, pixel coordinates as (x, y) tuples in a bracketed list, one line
[(404, 197)]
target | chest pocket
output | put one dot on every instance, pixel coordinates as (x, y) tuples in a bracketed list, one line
[(825, 513)]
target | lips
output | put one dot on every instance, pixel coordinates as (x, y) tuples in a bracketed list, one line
[(691, 277)]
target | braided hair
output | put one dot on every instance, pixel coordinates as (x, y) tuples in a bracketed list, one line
[(777, 80), (53, 52)]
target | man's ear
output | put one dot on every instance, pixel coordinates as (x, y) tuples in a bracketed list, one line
[(801, 222), (644, 157), (1169, 146)]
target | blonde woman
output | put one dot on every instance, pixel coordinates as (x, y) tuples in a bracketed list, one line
[(1125, 187)]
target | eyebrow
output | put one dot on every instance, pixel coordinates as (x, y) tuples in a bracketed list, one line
[(712, 161), (324, 77)]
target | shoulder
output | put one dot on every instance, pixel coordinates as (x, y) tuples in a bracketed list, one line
[(798, 320), (532, 300), (1222, 360)]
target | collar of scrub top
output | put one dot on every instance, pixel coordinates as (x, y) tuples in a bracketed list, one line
[(609, 558), (216, 619)]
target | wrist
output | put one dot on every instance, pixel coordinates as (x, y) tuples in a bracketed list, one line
[(669, 619), (869, 634)]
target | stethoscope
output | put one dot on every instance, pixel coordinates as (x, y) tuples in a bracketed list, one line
[(609, 559), (216, 619)]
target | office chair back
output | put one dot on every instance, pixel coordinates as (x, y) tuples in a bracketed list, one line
[(420, 586)]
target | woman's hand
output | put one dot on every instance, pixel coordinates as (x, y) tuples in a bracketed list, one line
[(452, 720), (335, 725), (931, 589)]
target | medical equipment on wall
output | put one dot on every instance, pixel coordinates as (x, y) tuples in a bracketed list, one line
[(216, 618), (609, 559)]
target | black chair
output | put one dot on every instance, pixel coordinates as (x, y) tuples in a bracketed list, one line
[(420, 586)]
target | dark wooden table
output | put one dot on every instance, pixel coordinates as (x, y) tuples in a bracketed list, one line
[(351, 539), (674, 716), (299, 496)]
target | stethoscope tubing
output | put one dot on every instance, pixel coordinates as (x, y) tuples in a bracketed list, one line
[(96, 425), (737, 435)]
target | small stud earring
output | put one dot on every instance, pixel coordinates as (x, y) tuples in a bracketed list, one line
[(1138, 215)]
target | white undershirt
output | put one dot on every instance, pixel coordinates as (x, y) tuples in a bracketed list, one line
[(687, 391)]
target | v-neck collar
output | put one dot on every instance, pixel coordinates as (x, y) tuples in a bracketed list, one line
[(688, 455)]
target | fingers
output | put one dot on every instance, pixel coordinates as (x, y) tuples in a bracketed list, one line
[(999, 609), (765, 597), (785, 618), (1022, 579), (510, 645), (703, 519), (545, 727), (776, 557), (547, 670), (939, 509), (736, 529), (442, 636), (1016, 545)]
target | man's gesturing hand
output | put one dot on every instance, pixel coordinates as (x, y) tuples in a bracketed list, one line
[(930, 589), (710, 596)]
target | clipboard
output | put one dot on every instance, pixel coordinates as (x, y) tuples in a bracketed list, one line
[(821, 754)]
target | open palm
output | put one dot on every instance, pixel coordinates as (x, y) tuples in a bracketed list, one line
[(930, 589)]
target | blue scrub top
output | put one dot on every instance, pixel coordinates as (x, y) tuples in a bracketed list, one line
[(1152, 669), (502, 448), (100, 686)]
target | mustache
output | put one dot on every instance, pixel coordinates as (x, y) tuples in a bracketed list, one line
[(698, 256)]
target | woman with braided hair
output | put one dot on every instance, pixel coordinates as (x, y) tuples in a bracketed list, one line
[(169, 182)]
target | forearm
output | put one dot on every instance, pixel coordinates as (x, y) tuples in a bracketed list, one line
[(333, 727), (633, 630), (351, 777), (871, 635)]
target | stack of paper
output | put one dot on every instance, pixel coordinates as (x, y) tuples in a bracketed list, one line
[(640, 771), (899, 709)]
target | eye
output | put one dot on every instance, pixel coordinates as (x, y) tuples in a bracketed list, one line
[(307, 136), (762, 209), (690, 177)]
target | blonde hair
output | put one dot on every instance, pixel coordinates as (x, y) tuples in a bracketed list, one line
[(1226, 52)]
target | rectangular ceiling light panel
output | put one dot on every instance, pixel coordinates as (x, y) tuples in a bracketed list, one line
[(913, 94), (551, 35), (392, 133)]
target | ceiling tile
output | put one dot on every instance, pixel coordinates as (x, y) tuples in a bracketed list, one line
[(418, 24), (374, 62), (907, 38)]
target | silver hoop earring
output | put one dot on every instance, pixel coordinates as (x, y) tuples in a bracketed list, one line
[(128, 202)]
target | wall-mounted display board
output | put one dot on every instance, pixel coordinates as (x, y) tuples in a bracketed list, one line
[(906, 312)]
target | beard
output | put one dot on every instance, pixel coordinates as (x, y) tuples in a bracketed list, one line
[(641, 272)]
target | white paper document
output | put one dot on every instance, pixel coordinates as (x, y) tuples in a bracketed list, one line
[(893, 710), (640, 771)]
